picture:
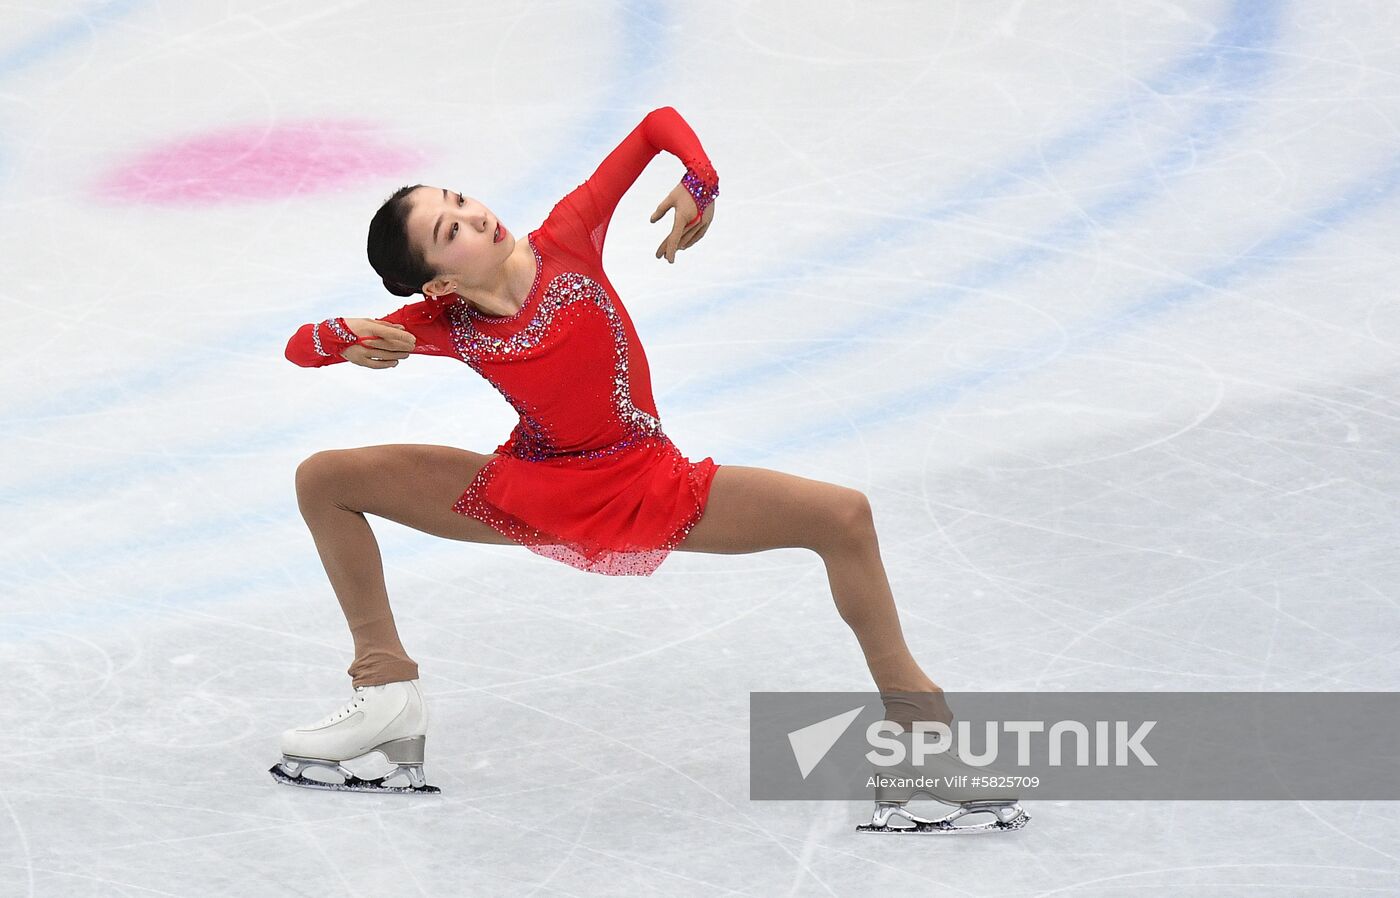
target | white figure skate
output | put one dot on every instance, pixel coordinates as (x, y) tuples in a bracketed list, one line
[(942, 773), (377, 736)]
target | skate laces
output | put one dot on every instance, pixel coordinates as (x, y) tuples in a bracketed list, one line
[(347, 709), (951, 749)]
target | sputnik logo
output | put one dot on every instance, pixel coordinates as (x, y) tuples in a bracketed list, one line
[(811, 743)]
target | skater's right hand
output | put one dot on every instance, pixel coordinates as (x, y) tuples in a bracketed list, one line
[(389, 342)]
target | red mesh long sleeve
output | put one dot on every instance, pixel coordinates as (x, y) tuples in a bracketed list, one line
[(585, 213), (321, 343)]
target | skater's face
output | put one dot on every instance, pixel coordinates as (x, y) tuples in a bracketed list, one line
[(457, 236)]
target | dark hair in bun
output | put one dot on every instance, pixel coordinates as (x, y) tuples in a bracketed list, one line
[(399, 289), (393, 258)]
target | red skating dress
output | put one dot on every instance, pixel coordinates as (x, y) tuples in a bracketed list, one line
[(587, 477)]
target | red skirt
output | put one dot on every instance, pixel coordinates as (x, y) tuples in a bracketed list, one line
[(618, 514)]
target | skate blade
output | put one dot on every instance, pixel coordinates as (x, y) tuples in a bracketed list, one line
[(351, 784), (1009, 817)]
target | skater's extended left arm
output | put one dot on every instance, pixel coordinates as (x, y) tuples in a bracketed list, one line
[(588, 209)]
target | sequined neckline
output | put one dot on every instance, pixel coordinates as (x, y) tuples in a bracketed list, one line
[(539, 269)]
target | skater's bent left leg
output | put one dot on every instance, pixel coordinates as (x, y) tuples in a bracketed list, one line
[(755, 509)]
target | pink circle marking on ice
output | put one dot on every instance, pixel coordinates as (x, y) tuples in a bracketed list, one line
[(256, 163)]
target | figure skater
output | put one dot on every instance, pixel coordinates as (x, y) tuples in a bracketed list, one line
[(587, 477)]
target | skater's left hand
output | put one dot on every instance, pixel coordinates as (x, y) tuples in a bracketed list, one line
[(685, 229)]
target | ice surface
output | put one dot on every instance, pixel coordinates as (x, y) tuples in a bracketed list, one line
[(1095, 301)]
